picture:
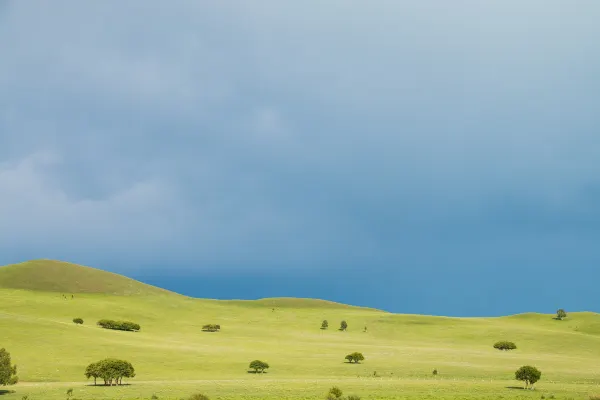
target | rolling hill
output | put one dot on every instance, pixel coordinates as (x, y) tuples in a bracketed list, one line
[(173, 357)]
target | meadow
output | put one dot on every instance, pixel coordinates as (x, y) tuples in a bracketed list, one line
[(174, 358)]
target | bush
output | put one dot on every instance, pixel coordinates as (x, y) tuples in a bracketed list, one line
[(355, 357), (211, 328), (343, 326), (334, 393), (198, 396), (435, 372), (528, 374), (324, 324), (78, 321), (259, 366), (119, 325), (504, 345), (560, 314), (353, 397)]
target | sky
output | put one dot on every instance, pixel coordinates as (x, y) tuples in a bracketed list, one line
[(415, 156)]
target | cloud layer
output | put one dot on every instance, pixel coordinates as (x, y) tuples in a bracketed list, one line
[(401, 138)]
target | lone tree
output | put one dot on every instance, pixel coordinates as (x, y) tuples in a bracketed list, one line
[(324, 324), (560, 314), (343, 326), (78, 321), (259, 366), (529, 375), (8, 372), (504, 345), (110, 370), (355, 357)]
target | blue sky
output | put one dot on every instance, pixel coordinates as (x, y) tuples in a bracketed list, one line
[(416, 156)]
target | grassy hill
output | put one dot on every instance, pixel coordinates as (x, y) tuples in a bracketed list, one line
[(174, 358), (64, 277)]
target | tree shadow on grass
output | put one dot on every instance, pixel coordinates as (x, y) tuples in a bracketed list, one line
[(3, 392), (257, 372), (515, 387), (100, 385)]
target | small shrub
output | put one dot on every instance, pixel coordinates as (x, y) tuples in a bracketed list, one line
[(324, 324), (154, 397), (353, 397), (69, 393), (435, 372), (334, 393), (505, 345), (198, 396), (211, 328), (343, 326), (560, 314), (78, 321)]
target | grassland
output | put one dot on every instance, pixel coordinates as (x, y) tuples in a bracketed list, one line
[(174, 358)]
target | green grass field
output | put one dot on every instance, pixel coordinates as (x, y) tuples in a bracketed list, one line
[(174, 358)]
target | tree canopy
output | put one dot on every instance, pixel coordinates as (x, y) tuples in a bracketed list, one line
[(78, 321), (8, 372), (324, 324), (110, 370), (259, 366), (560, 314), (528, 374), (343, 326), (211, 328), (355, 357)]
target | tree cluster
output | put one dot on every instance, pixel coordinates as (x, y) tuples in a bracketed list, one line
[(119, 325), (211, 328), (259, 366), (8, 372), (504, 345), (110, 370), (355, 357)]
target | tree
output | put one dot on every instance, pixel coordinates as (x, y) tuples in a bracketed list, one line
[(259, 366), (324, 324), (343, 326), (118, 325), (435, 372), (504, 345), (78, 321), (334, 393), (528, 374), (110, 370), (560, 314), (355, 357), (8, 372)]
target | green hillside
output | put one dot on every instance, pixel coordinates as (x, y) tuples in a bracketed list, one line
[(174, 358), (64, 277)]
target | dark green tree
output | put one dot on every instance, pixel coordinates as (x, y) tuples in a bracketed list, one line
[(8, 372), (211, 328), (324, 324), (343, 326), (259, 366), (355, 357), (528, 374), (561, 314), (78, 321)]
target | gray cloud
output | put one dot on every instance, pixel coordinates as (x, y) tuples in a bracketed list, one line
[(270, 134)]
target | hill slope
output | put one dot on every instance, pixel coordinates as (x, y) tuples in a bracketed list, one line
[(64, 277)]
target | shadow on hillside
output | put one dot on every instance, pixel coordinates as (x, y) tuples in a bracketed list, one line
[(3, 392)]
